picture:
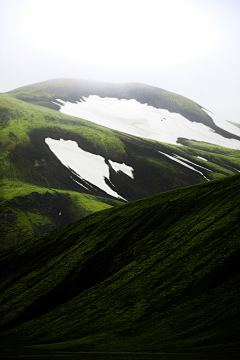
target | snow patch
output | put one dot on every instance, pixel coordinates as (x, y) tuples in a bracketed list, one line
[(182, 158), (128, 170), (85, 165), (134, 118), (183, 163), (199, 157), (223, 124)]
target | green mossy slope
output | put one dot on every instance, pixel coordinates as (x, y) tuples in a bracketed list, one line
[(46, 92), (158, 274), (34, 186), (28, 210), (28, 163)]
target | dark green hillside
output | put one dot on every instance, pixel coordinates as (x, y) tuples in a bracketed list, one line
[(45, 92), (156, 275), (35, 187)]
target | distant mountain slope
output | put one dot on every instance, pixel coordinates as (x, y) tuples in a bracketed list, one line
[(159, 274), (73, 90), (39, 191)]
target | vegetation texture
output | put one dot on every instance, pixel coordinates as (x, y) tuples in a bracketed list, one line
[(37, 192), (156, 275), (74, 89)]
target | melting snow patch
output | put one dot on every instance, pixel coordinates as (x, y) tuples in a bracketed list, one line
[(128, 170), (134, 118), (85, 165), (223, 124), (79, 183), (199, 157), (181, 158), (183, 163)]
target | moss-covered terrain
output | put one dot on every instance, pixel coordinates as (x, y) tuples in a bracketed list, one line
[(46, 92), (159, 275), (28, 210), (36, 187)]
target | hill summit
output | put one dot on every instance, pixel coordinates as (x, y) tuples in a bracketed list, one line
[(71, 147)]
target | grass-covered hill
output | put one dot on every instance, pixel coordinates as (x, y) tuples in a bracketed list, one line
[(156, 275), (46, 92), (38, 193)]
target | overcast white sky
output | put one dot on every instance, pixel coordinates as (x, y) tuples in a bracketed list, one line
[(190, 47)]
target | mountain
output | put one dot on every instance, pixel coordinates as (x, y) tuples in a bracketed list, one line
[(159, 275), (57, 168), (55, 93)]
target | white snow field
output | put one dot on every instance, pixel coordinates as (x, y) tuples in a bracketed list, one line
[(177, 159), (134, 118), (223, 123), (128, 170), (87, 166)]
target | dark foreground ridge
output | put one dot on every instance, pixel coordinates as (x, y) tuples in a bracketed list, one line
[(156, 275)]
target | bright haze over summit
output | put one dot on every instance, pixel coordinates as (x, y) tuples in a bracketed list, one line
[(189, 47), (121, 34)]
